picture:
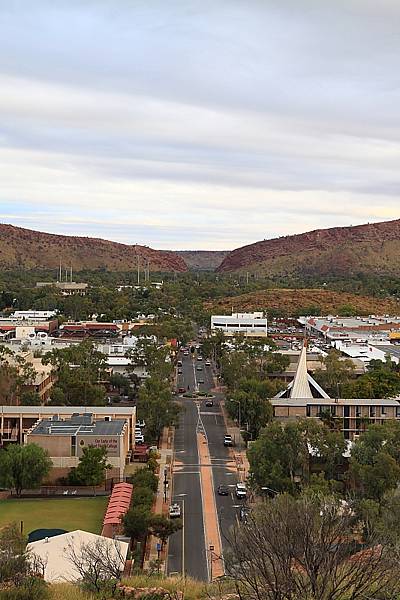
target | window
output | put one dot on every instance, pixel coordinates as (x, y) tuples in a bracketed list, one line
[(73, 445), (383, 411), (397, 412), (358, 411), (372, 411), (308, 410)]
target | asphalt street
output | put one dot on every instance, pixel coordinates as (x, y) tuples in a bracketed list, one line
[(187, 548)]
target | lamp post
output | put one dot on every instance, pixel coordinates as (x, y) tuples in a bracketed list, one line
[(211, 548)]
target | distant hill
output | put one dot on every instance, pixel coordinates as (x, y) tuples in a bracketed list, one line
[(27, 249), (289, 301), (372, 248), (203, 260)]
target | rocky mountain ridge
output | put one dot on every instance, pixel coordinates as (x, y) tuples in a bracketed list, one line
[(28, 249), (373, 247)]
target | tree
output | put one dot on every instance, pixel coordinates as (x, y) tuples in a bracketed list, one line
[(162, 527), (100, 564), (375, 459), (280, 458), (31, 398), (292, 549), (23, 467), (144, 478), (13, 558), (136, 522), (155, 405), (336, 373), (142, 496), (255, 408), (80, 368), (92, 466), (15, 373), (149, 354)]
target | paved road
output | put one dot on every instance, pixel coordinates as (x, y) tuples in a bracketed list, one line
[(187, 548)]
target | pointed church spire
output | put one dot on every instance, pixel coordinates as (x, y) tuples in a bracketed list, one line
[(301, 387)]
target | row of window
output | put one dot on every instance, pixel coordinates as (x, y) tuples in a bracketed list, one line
[(372, 412)]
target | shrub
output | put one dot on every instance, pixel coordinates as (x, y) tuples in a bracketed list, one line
[(31, 588)]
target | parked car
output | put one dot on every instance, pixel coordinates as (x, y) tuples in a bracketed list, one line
[(181, 390), (228, 440), (141, 423), (241, 491), (200, 380), (139, 439), (223, 490), (179, 371), (174, 511), (199, 358), (207, 363), (210, 402), (199, 368)]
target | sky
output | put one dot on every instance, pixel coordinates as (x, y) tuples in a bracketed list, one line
[(198, 124)]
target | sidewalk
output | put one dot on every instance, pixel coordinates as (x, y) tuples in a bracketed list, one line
[(160, 507)]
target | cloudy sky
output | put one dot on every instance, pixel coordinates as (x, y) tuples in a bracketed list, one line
[(198, 124)]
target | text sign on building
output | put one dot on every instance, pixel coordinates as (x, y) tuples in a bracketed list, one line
[(111, 443)]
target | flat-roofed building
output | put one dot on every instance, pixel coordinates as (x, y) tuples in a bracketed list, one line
[(15, 421), (248, 324), (66, 439), (351, 415)]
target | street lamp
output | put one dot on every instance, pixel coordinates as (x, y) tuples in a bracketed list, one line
[(211, 548)]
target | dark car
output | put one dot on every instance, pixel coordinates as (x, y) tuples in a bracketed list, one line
[(181, 390), (209, 402), (223, 490)]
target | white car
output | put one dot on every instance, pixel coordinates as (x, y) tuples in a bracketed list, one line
[(174, 511), (139, 439), (241, 491), (141, 423)]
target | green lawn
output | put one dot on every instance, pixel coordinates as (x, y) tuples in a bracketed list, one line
[(63, 513)]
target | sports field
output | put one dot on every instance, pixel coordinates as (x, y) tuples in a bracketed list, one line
[(62, 513)]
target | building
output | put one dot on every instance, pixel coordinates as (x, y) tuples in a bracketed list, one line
[(67, 288), (66, 439), (248, 324), (16, 421), (22, 323), (54, 552), (351, 328), (304, 397)]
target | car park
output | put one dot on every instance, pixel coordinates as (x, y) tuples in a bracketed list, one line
[(223, 490), (228, 440), (174, 511), (241, 491)]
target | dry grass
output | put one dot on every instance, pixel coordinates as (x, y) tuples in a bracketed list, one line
[(193, 590)]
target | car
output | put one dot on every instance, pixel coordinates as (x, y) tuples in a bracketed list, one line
[(200, 380), (139, 439), (179, 363), (174, 511), (141, 423), (138, 430), (210, 402), (186, 353), (181, 390), (199, 368), (208, 364), (223, 490), (179, 371), (199, 358), (228, 440), (244, 513), (241, 491)]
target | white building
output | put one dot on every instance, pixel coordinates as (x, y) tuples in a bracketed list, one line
[(37, 315), (249, 324)]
